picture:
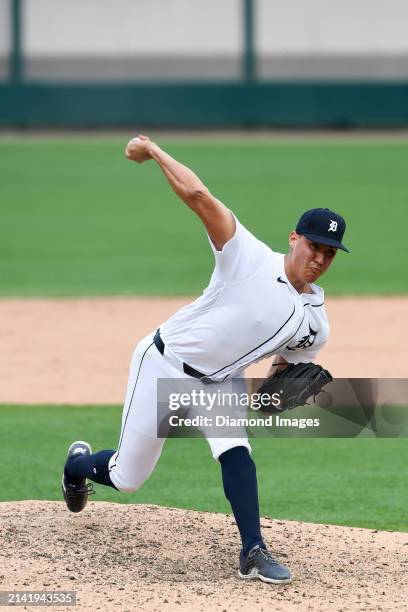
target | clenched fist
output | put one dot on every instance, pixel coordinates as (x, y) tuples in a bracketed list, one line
[(138, 149)]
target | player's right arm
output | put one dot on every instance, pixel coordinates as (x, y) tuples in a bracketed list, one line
[(218, 220)]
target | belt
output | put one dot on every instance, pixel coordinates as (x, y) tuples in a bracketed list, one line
[(190, 371)]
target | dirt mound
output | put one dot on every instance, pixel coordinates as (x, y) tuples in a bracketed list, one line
[(142, 557)]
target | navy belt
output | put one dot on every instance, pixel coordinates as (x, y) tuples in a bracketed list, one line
[(186, 368)]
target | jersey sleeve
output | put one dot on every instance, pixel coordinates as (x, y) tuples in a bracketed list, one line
[(240, 257)]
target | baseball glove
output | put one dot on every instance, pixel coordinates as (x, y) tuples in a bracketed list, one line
[(294, 385)]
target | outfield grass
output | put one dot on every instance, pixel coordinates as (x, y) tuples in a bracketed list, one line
[(356, 482), (77, 218)]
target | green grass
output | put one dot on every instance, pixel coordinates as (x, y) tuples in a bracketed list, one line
[(355, 482), (77, 218)]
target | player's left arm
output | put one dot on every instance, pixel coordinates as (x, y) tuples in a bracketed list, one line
[(278, 363), (218, 220)]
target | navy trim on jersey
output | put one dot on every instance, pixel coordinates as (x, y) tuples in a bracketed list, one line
[(313, 305), (280, 346), (257, 347), (286, 341), (283, 343), (130, 404)]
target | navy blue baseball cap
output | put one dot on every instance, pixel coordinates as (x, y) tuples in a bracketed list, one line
[(324, 226)]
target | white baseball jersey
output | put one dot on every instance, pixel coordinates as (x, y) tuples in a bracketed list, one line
[(249, 311)]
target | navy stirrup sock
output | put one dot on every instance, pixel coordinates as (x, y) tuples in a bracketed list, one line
[(241, 490), (94, 467)]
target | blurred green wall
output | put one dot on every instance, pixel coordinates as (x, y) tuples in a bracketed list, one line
[(234, 105)]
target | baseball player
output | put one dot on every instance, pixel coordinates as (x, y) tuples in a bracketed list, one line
[(258, 303)]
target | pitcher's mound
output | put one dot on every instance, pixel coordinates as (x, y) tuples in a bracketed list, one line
[(141, 557)]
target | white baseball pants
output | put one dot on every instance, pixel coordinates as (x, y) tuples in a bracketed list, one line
[(139, 447)]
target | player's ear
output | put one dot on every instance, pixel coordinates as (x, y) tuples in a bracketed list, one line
[(293, 236)]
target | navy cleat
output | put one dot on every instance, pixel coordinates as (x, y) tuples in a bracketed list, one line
[(76, 494), (260, 564)]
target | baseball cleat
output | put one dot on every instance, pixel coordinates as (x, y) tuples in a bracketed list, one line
[(76, 494), (260, 564)]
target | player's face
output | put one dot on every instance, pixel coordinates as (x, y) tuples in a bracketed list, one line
[(310, 259)]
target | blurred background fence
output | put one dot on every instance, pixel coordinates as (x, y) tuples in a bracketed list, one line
[(196, 63)]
